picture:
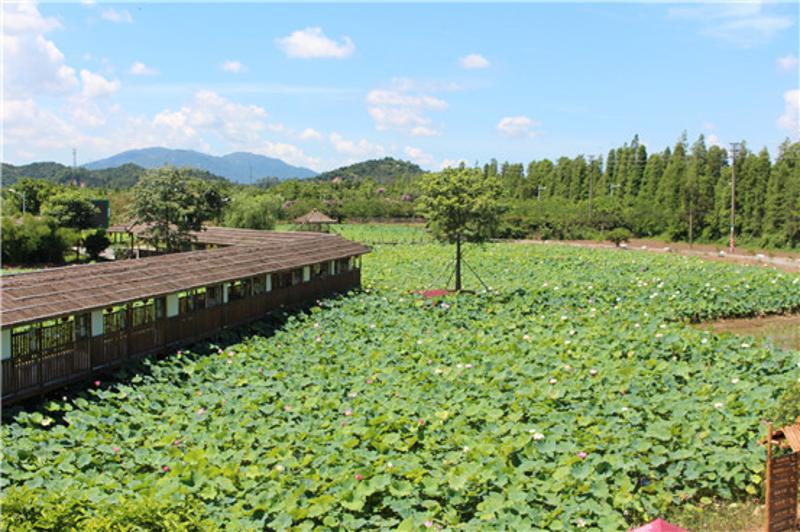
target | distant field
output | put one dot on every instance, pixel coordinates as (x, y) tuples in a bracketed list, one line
[(572, 395)]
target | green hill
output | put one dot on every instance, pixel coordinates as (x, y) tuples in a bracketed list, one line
[(380, 170), (120, 177)]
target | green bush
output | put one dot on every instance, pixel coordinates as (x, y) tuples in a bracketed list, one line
[(34, 239), (41, 509), (788, 408), (253, 212), (619, 235), (95, 243)]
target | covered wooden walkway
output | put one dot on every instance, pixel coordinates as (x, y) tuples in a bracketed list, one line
[(62, 324)]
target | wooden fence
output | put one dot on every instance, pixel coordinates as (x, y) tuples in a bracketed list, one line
[(51, 356)]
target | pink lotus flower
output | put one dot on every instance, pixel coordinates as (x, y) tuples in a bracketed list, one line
[(115, 449), (369, 381), (165, 469), (348, 412), (176, 443), (421, 421), (359, 477), (201, 411), (287, 408), (428, 524), (97, 383), (582, 455)]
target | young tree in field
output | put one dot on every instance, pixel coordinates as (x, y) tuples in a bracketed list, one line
[(172, 204), (461, 205)]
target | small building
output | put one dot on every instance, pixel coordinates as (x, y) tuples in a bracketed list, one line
[(60, 325), (315, 220)]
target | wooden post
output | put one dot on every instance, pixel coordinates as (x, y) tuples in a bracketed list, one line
[(39, 354), (767, 501)]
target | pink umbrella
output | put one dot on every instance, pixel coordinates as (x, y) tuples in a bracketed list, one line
[(659, 525)]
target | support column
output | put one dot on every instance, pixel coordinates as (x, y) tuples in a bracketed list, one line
[(269, 283), (306, 273), (225, 289)]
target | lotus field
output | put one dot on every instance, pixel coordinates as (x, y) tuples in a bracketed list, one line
[(573, 394)]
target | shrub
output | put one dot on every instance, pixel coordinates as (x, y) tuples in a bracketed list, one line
[(788, 408), (34, 239), (248, 212), (619, 235), (40, 509), (95, 243)]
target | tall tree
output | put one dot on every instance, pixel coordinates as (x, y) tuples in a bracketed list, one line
[(461, 206), (171, 204)]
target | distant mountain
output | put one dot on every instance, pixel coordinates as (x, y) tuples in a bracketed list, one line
[(234, 166), (120, 177), (380, 170)]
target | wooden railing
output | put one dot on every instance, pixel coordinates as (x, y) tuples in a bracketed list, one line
[(135, 334)]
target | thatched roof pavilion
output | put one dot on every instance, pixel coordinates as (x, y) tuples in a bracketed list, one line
[(314, 218)]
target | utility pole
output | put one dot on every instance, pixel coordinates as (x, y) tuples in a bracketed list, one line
[(539, 192), (591, 183), (734, 151)]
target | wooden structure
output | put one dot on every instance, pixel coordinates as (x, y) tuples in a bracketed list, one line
[(314, 217), (783, 475), (60, 325), (315, 221)]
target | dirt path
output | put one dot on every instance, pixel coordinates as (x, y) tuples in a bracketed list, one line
[(786, 261)]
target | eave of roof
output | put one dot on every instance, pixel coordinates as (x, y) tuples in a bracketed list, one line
[(56, 292)]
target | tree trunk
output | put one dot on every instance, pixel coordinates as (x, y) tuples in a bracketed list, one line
[(458, 263), (691, 219)]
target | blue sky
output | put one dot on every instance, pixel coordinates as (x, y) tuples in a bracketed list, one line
[(322, 85)]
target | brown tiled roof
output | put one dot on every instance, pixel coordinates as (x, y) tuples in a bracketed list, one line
[(314, 217), (57, 292)]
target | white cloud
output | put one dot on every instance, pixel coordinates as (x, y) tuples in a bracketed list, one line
[(96, 86), (27, 124), (787, 63), (288, 153), (236, 123), (424, 131), (33, 64), (235, 67), (117, 17), (709, 126), (743, 23), (362, 148), (474, 61), (790, 119), (517, 127), (418, 156), (312, 43), (309, 134), (397, 109), (140, 69), (713, 140)]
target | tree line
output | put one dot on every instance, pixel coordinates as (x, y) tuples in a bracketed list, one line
[(681, 193)]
